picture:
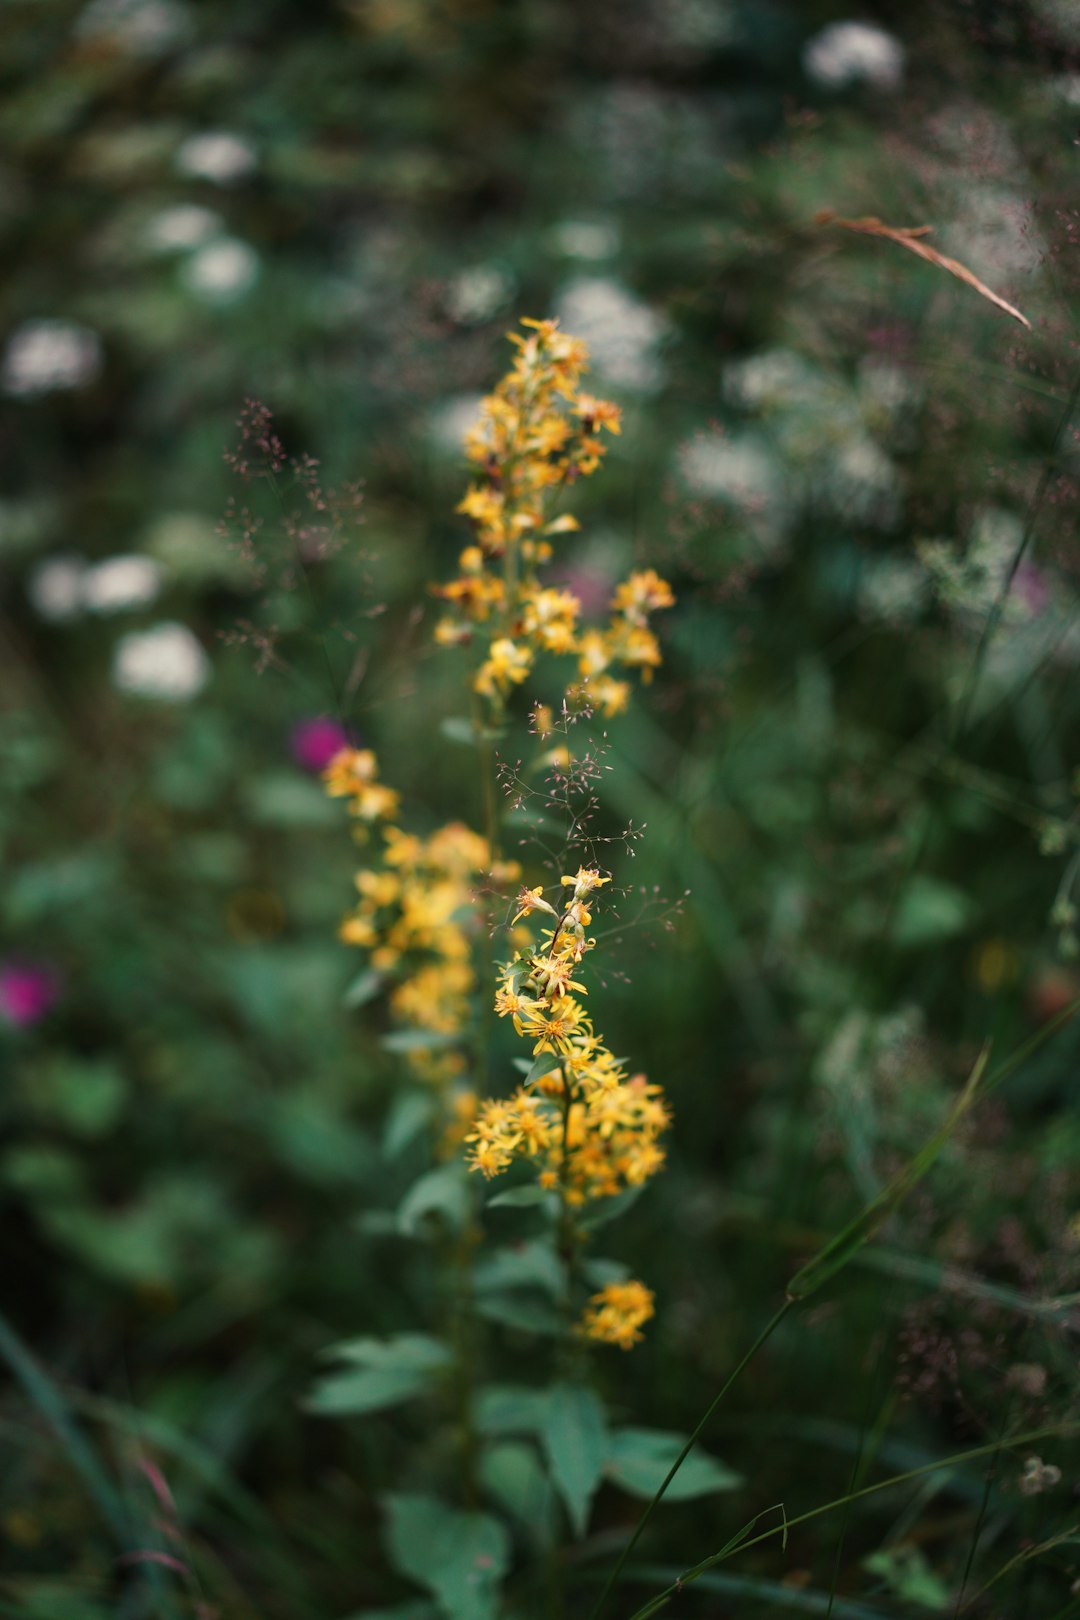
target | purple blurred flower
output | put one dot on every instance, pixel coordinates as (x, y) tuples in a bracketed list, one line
[(27, 991), (1029, 586), (592, 590), (315, 742)]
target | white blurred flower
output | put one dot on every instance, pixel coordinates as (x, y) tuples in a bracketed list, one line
[(224, 269), (893, 589), (136, 27), (478, 293), (743, 473), (45, 356), (185, 226), (771, 380), (219, 156), (860, 483), (847, 53), (584, 239), (165, 662), (622, 333), (450, 421), (994, 233), (740, 469), (55, 588), (121, 583)]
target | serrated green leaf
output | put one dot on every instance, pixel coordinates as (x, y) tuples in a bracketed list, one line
[(459, 1557), (576, 1441), (639, 1460)]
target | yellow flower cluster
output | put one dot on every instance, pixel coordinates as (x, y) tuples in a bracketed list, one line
[(353, 774), (592, 1130), (417, 914), (615, 1315), (536, 435)]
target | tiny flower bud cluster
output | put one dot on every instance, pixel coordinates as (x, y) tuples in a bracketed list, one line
[(591, 1130), (536, 435)]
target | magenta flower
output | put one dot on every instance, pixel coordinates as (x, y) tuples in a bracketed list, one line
[(315, 742), (27, 991)]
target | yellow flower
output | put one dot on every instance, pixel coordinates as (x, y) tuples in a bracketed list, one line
[(644, 592), (508, 664), (616, 1314), (532, 900)]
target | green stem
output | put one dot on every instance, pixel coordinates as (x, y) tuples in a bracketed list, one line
[(766, 1333), (656, 1603)]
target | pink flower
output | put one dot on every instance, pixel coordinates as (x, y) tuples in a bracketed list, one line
[(27, 991), (315, 742)]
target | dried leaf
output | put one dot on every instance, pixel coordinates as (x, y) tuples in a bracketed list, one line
[(910, 236)]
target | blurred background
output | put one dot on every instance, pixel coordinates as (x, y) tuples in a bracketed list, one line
[(857, 769)]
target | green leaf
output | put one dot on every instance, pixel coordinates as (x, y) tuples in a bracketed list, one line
[(576, 1440), (511, 1409), (511, 1473), (459, 730), (521, 1265), (401, 1611), (364, 988), (609, 1209), (929, 911), (520, 1197), (417, 1040), (639, 1460), (541, 1065), (410, 1113), (458, 1557), (442, 1194), (280, 799), (84, 1096), (384, 1373), (528, 1313), (906, 1571)]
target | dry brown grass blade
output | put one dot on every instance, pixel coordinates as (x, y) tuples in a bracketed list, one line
[(911, 237)]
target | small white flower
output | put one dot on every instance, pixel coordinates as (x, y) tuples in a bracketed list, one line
[(450, 421), (847, 53), (224, 269), (165, 662), (45, 356), (584, 239), (219, 156), (621, 332), (121, 583), (478, 293), (186, 226), (55, 588)]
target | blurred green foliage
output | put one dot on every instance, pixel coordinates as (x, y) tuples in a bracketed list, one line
[(855, 775)]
